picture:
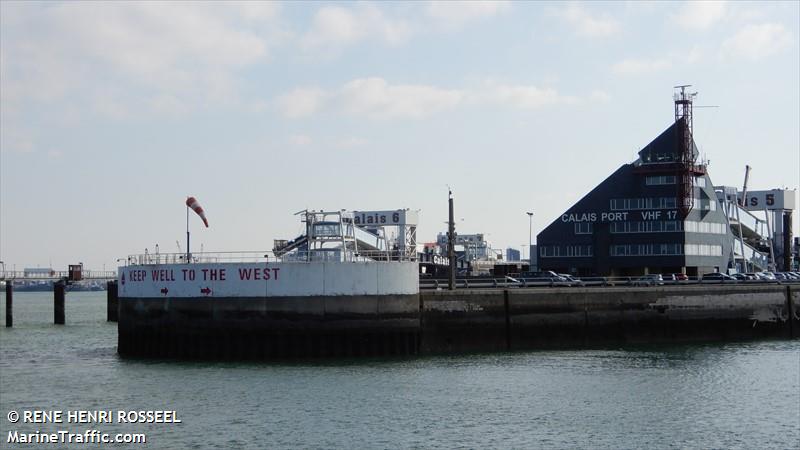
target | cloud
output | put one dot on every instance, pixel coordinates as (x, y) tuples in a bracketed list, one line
[(455, 14), (600, 96), (300, 140), (520, 96), (755, 42), (588, 25), (191, 52), (376, 98), (334, 27), (699, 15), (351, 142), (640, 66), (301, 102)]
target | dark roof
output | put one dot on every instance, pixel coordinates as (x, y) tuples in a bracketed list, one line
[(664, 146)]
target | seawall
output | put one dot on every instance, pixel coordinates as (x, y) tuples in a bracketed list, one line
[(452, 321), (511, 319)]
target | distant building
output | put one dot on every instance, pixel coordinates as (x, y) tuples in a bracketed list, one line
[(472, 246), (512, 254)]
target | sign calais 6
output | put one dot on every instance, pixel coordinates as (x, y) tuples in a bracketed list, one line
[(397, 217)]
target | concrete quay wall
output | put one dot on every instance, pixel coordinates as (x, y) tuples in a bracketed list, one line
[(268, 327), (451, 321), (494, 319)]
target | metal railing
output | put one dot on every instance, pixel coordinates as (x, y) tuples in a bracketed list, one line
[(269, 256), (510, 282)]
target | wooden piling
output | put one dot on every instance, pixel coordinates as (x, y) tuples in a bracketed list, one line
[(59, 289), (112, 302), (9, 304)]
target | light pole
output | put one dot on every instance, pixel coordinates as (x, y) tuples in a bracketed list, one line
[(530, 233)]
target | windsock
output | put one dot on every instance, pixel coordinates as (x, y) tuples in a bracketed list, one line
[(191, 202)]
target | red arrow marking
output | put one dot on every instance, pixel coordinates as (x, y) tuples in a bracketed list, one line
[(206, 291), (164, 291)]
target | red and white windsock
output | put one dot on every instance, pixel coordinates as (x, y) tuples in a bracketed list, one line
[(191, 202)]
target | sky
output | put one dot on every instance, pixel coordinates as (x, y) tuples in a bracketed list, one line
[(112, 113)]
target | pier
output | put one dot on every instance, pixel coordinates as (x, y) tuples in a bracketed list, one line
[(58, 280)]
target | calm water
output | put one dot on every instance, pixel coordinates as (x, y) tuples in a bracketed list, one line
[(743, 395)]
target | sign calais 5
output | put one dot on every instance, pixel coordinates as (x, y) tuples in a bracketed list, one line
[(775, 199)]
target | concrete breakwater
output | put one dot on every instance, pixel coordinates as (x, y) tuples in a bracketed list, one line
[(515, 319), (452, 321)]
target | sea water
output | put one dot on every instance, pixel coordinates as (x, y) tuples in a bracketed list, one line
[(715, 395)]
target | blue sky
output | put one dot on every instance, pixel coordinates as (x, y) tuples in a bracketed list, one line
[(112, 113)]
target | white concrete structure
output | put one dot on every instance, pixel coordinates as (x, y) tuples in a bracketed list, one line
[(259, 279)]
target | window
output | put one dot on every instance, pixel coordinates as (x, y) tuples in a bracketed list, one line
[(580, 251), (703, 250), (617, 204), (584, 228), (646, 250), (550, 251), (708, 205), (651, 226), (620, 250), (706, 227), (667, 202), (657, 180), (700, 182)]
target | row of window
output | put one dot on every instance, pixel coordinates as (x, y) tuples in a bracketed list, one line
[(656, 226), (576, 251), (705, 227), (622, 204), (703, 250), (652, 226), (571, 251), (646, 249), (659, 180), (618, 204)]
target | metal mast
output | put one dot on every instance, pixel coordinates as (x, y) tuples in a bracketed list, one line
[(685, 153)]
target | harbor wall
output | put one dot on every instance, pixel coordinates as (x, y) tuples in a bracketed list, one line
[(434, 322), (493, 319), (269, 310)]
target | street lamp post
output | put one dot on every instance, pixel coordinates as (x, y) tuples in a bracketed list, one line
[(530, 234)]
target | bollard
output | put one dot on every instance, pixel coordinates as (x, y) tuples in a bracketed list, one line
[(58, 302), (9, 304), (112, 302)]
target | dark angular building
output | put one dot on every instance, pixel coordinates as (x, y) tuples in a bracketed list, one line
[(658, 214)]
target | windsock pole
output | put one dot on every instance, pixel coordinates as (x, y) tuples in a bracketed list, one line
[(188, 252)]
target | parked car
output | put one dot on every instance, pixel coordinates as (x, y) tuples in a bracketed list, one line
[(571, 280), (717, 277), (740, 276), (677, 277), (547, 275), (649, 280)]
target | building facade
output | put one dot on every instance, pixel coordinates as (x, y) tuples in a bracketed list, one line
[(657, 214)]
